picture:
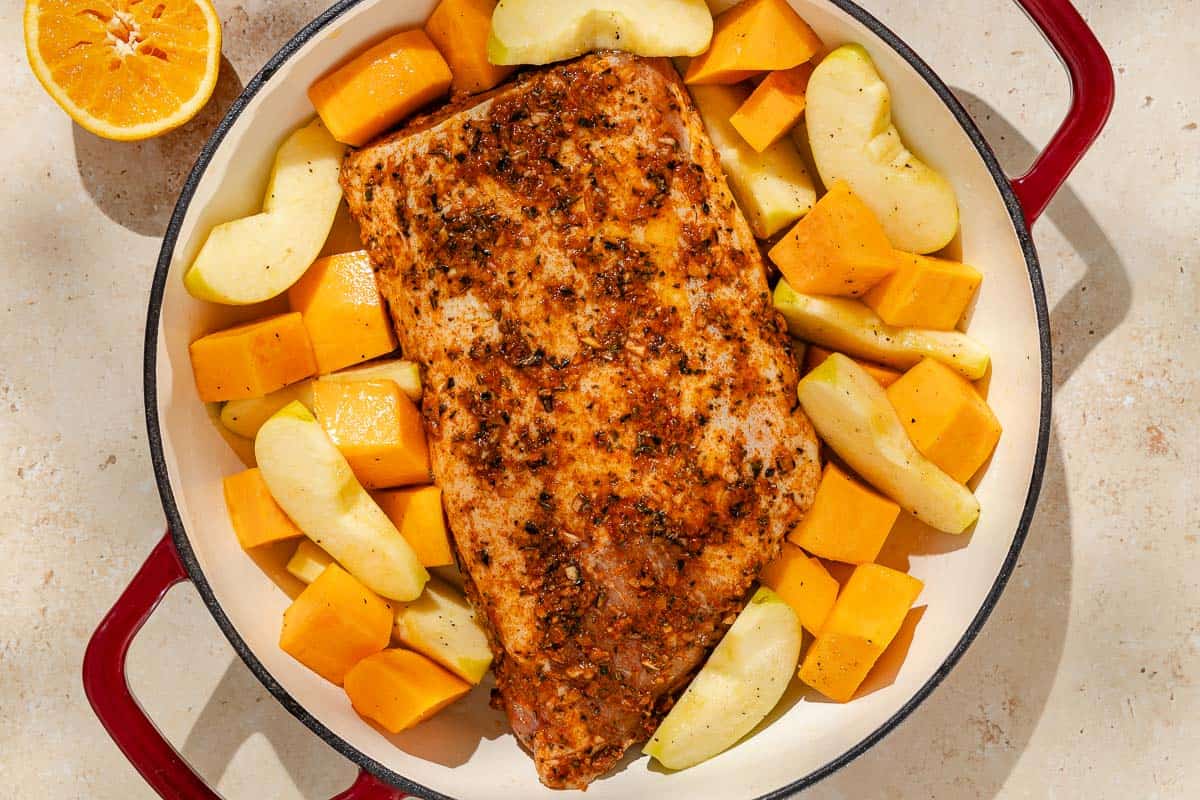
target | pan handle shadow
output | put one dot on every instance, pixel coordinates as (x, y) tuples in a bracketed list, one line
[(972, 731), (239, 708), (1096, 303)]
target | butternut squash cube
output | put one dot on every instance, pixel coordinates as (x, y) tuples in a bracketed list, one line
[(377, 428), (804, 584), (417, 514), (924, 292), (773, 108), (754, 36), (399, 688), (343, 311), (335, 623), (815, 354), (252, 359), (864, 620), (460, 29), (946, 418), (256, 517), (847, 522), (379, 87), (838, 248)]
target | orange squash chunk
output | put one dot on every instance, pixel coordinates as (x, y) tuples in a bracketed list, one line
[(754, 36), (847, 522), (460, 29), (379, 87), (343, 311), (377, 428), (814, 356), (773, 108), (864, 620), (946, 418), (399, 688), (924, 292), (335, 623), (804, 584), (257, 519), (417, 514), (838, 248), (252, 359)]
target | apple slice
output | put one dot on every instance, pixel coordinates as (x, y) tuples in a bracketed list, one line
[(740, 683), (442, 625), (852, 414), (541, 31), (850, 326), (849, 121), (405, 374), (313, 484), (773, 188), (245, 417), (255, 258), (304, 165), (308, 561)]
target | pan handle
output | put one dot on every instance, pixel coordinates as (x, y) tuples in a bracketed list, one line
[(368, 787), (1092, 94), (109, 693)]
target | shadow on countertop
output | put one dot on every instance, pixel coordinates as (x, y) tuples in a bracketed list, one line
[(136, 184), (239, 708), (981, 719)]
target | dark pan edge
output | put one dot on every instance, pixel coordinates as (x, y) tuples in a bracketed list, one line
[(188, 557)]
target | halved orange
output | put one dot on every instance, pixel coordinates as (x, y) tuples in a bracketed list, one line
[(125, 69)]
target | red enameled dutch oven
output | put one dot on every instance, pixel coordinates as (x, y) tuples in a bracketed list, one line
[(449, 756)]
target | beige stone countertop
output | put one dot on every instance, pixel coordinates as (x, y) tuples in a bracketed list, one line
[(1084, 683)]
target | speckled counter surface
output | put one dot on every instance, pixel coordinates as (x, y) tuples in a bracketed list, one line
[(1084, 683)]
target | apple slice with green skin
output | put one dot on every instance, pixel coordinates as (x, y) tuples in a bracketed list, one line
[(849, 122), (442, 625), (255, 258), (773, 188), (852, 414), (245, 417), (851, 327), (311, 481), (542, 31), (405, 374), (740, 683)]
